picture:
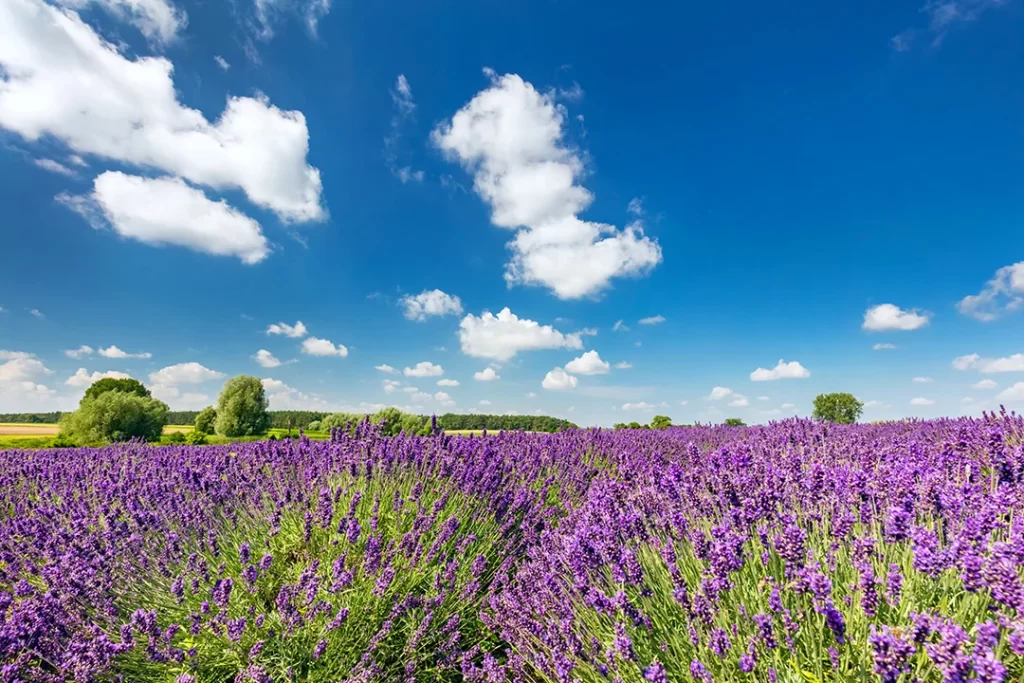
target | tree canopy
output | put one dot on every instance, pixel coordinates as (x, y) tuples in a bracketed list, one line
[(128, 385), (734, 422), (206, 420), (242, 407), (116, 416), (661, 422), (843, 408)]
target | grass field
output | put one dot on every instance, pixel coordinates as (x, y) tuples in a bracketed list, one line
[(13, 435)]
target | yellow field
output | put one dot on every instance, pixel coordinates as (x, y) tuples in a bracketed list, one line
[(28, 430)]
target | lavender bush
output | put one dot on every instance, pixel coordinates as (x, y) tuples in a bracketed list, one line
[(795, 552)]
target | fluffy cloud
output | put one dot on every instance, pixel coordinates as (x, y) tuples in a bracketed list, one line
[(739, 401), (1003, 294), (642, 405), (589, 363), (782, 370), (653, 320), (430, 303), (444, 399), (718, 393), (386, 368), (558, 379), (315, 346), (184, 373), (448, 382), (890, 317), (20, 390), (883, 347), (61, 79), (510, 137), (424, 369), (283, 397), (1012, 394), (921, 380), (295, 331), (80, 352), (14, 355), (22, 369), (486, 375), (984, 384), (504, 335), (82, 378), (266, 359), (114, 352), (922, 402), (1014, 363), (158, 20), (167, 211), (391, 385)]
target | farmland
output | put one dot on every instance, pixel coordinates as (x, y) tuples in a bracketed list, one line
[(798, 551)]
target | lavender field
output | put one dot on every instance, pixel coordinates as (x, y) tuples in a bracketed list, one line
[(798, 551)]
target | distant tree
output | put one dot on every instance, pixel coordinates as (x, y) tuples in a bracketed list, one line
[(842, 407), (115, 416), (390, 420), (734, 422), (620, 425), (660, 422), (128, 385), (242, 407), (412, 424), (335, 420), (206, 420), (195, 438), (314, 426)]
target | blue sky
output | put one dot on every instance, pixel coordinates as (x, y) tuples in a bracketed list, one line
[(804, 183)]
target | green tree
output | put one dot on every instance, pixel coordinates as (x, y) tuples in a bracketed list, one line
[(313, 426), (242, 407), (660, 422), (206, 420), (734, 422), (128, 385), (412, 424), (335, 420), (390, 419), (116, 416), (840, 407)]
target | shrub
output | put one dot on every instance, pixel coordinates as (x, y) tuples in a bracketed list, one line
[(661, 422), (63, 441), (242, 407), (314, 426), (206, 420), (195, 438), (116, 416), (176, 437)]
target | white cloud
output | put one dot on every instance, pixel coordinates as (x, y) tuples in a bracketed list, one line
[(420, 396), (485, 402), (642, 405), (558, 379), (874, 404), (1012, 394), (890, 317), (424, 369), (430, 303), (405, 107), (82, 378), (184, 373), (62, 80), (283, 397), (653, 320), (55, 167), (114, 352), (448, 382), (943, 16), (921, 380), (444, 399), (620, 326), (266, 359), (14, 355), (967, 399), (315, 346), (36, 313), (788, 406), (391, 384), (739, 401), (531, 394), (386, 368), (158, 20), (19, 390), (294, 331), (883, 347), (22, 369), (718, 393), (623, 365), (763, 398), (80, 352), (636, 206), (410, 390), (921, 402), (510, 137), (504, 335), (1014, 363), (589, 363), (984, 384), (167, 211), (782, 370), (1003, 294), (221, 62), (486, 375)]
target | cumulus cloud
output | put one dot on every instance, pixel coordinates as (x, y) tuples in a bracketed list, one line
[(486, 375), (1012, 394), (739, 401), (283, 397), (184, 373), (20, 389), (391, 385), (653, 320), (315, 346), (80, 352), (167, 211), (158, 20), (558, 380), (922, 402), (1014, 363), (266, 359), (82, 378), (424, 369), (509, 136), (589, 363), (883, 347), (718, 393), (295, 331), (642, 405), (430, 303), (448, 382), (22, 368), (114, 352), (386, 368), (782, 370), (1003, 294), (885, 317), (502, 336), (62, 80), (984, 384), (444, 399), (14, 355)]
